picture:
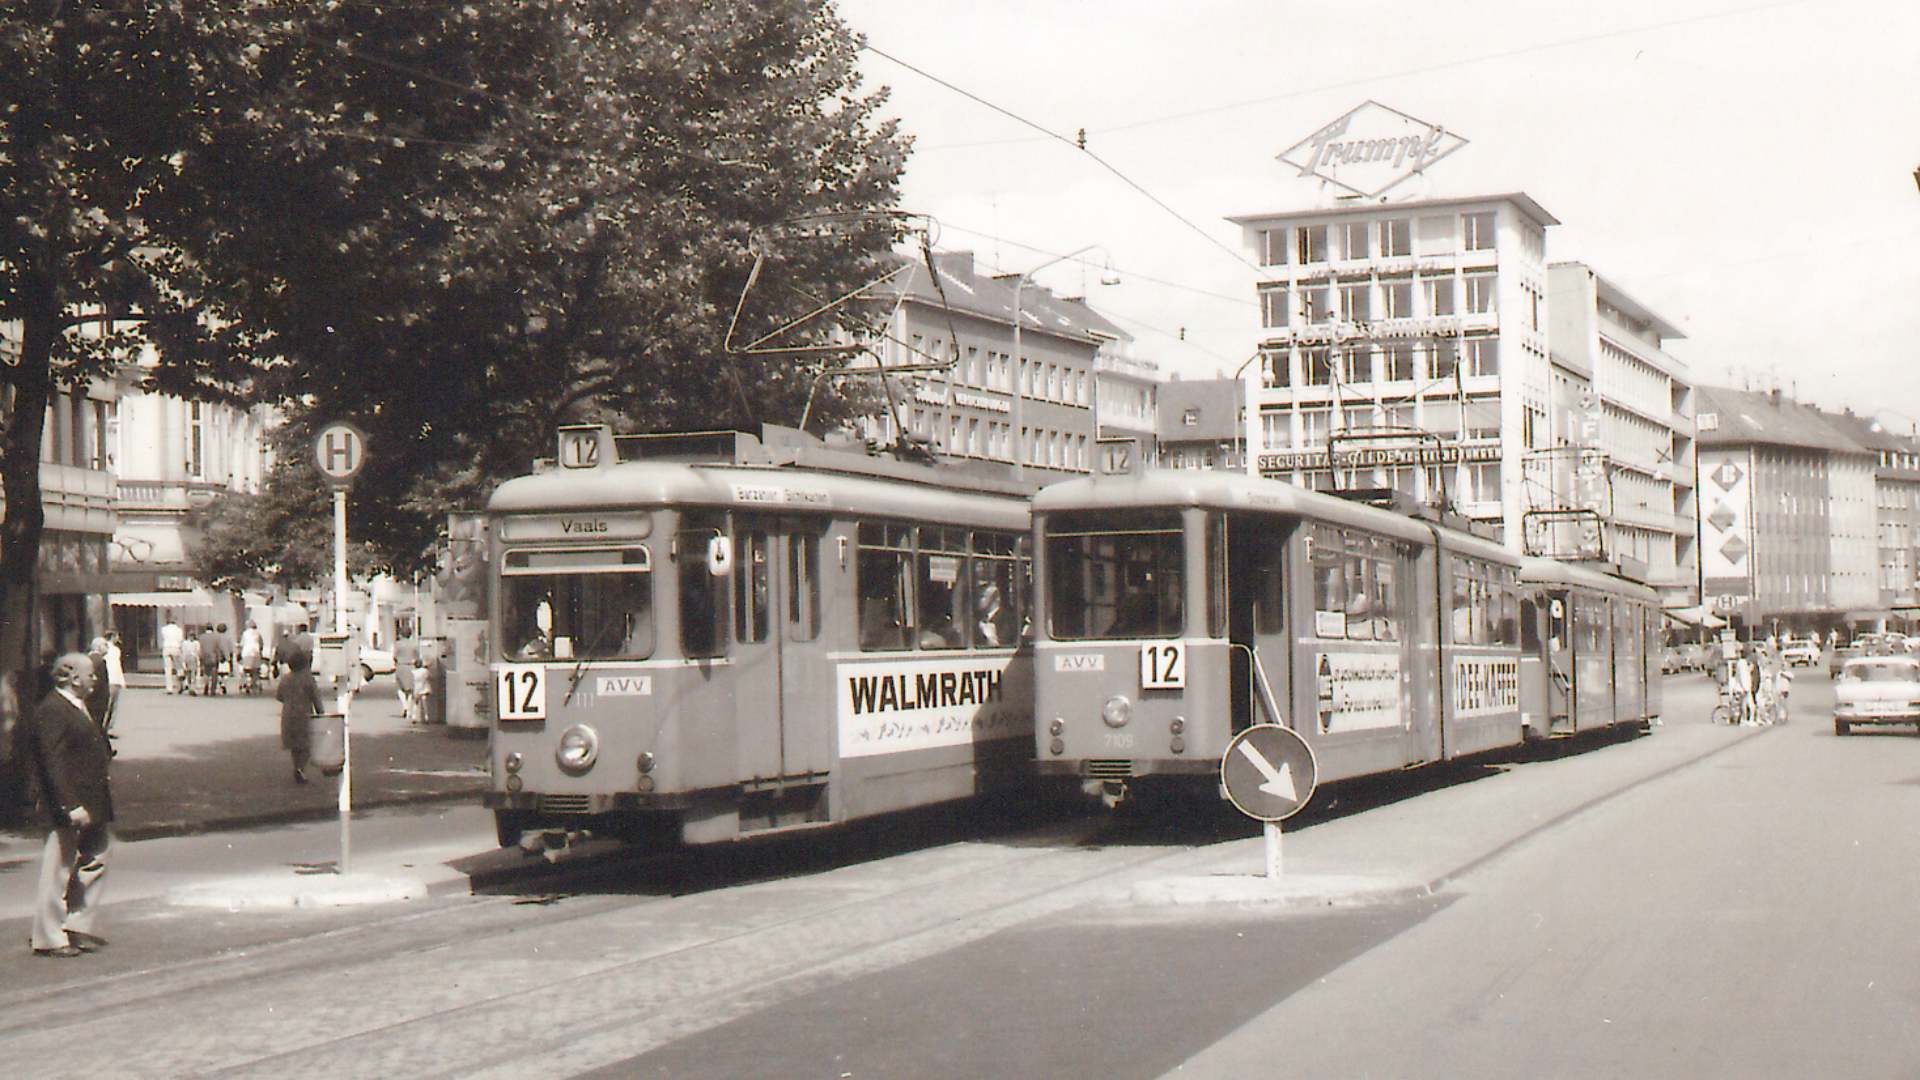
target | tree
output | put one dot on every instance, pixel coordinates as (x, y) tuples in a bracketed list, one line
[(279, 539), (582, 258)]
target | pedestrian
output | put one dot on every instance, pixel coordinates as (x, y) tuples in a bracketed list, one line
[(300, 642), (299, 699), (252, 649), (97, 697), (190, 662), (73, 762), (213, 660), (171, 640), (116, 678), (419, 706)]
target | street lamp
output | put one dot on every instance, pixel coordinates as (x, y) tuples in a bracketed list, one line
[(1019, 374)]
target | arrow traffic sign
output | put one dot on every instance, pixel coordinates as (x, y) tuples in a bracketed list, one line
[(1268, 772)]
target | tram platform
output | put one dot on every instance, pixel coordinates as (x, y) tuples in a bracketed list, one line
[(188, 764)]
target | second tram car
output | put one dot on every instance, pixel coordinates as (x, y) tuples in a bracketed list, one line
[(726, 636), (1177, 607)]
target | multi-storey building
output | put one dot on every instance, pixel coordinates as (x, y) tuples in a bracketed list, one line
[(1896, 500), (77, 495), (1621, 430), (173, 457), (1428, 315), (981, 403), (1787, 530)]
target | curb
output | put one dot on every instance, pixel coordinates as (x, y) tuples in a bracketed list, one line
[(165, 829)]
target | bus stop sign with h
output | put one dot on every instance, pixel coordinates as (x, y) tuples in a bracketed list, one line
[(340, 451)]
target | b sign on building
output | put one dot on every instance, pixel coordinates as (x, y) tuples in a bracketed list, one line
[(1371, 149)]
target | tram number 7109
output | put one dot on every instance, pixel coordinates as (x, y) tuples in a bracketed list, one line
[(522, 691), (1163, 665)]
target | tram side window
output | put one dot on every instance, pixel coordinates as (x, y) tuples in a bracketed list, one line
[(1386, 597), (1460, 616), (1329, 585), (941, 585), (703, 595), (750, 588), (1359, 608), (584, 604), (803, 586), (1109, 580), (1530, 627), (884, 567), (996, 614), (1269, 610), (1509, 628)]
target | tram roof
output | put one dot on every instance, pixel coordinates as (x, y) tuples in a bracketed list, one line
[(653, 484), (1555, 572), (1218, 490)]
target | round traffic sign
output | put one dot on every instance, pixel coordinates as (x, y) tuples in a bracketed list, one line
[(340, 450), (1268, 772)]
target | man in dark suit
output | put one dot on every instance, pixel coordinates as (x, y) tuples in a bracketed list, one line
[(73, 755)]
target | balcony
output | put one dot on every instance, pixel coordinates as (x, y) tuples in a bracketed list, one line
[(167, 496)]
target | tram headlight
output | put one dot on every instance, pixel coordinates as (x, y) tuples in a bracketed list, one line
[(1117, 711), (1058, 726), (1178, 745), (514, 784), (514, 762), (646, 761), (1057, 746), (579, 746), (1179, 725)]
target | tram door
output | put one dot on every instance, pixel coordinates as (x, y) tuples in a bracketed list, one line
[(1559, 661), (781, 680), (1256, 617)]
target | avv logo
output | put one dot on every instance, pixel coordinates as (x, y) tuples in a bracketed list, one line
[(624, 686)]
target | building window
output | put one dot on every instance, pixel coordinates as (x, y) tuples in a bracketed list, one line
[(1355, 235), (1190, 417), (196, 440), (1316, 366), (1357, 418), (1273, 306), (1397, 299), (1480, 293), (1400, 416), (1398, 358), (1439, 292), (1479, 230), (1444, 358), (1313, 243), (1313, 427), (1483, 356), (1353, 303), (1483, 481), (1279, 367), (1316, 304), (1358, 364), (1273, 247), (1276, 429), (1396, 237)]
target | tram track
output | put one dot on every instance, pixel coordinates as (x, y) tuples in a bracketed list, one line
[(624, 971)]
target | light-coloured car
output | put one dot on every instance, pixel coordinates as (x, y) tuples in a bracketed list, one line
[(1800, 654), (1876, 690), (375, 662)]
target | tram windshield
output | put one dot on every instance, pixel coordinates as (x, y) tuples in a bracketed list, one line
[(579, 604), (1111, 578)]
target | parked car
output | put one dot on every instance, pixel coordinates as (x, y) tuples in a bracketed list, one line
[(1838, 657), (375, 662), (1877, 690), (1800, 653)]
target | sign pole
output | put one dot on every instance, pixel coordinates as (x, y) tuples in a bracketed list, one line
[(1272, 831), (340, 450)]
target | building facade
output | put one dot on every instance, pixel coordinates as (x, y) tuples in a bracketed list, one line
[(1896, 502), (1427, 316), (77, 494), (1621, 432), (1788, 537), (978, 402)]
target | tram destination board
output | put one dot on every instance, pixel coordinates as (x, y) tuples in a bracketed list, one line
[(1268, 772)]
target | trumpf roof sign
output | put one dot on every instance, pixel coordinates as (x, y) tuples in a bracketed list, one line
[(1371, 149)]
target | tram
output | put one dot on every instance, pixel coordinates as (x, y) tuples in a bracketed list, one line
[(698, 638), (1176, 607)]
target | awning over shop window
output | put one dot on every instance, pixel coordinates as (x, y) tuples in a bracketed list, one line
[(1697, 615), (179, 601)]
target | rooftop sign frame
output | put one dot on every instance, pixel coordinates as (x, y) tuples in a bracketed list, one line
[(1371, 149)]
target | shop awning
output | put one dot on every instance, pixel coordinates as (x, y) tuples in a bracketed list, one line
[(183, 601), (1697, 615)]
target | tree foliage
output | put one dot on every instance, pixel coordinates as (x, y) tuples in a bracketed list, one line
[(452, 223), (277, 540)]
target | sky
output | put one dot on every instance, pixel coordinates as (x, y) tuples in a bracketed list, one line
[(1744, 169)]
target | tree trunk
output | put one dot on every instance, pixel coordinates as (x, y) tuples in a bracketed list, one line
[(20, 486)]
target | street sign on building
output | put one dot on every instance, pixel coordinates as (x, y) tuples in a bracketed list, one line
[(1268, 772)]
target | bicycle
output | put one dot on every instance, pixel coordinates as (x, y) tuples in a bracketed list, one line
[(1731, 707)]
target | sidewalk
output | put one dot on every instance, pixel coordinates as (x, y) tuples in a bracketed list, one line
[(192, 765)]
